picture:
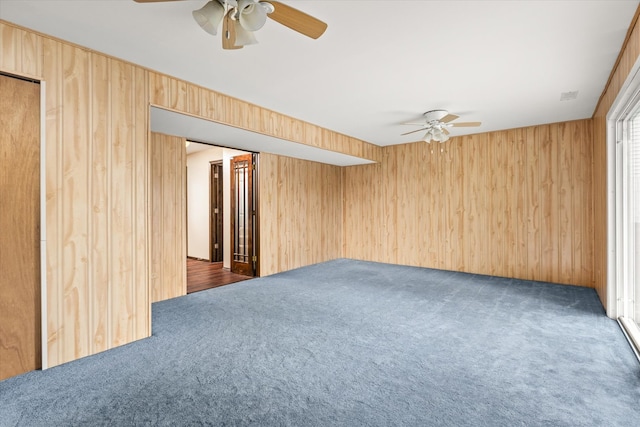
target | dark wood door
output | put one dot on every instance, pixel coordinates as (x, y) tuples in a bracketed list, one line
[(216, 213), (20, 335), (243, 214)]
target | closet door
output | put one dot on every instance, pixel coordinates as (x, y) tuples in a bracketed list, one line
[(20, 342)]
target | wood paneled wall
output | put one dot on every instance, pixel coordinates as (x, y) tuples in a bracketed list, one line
[(626, 60), (97, 177), (185, 97), (300, 213), (513, 203), (168, 217), (96, 196), (20, 51), (96, 172)]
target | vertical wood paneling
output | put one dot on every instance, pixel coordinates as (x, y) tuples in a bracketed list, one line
[(363, 204), (208, 103), (474, 218), (565, 201), (140, 194), (300, 213), (548, 200), (583, 226), (168, 162), (512, 201), (156, 223), (96, 238), (194, 102), (52, 70), (175, 94), (519, 196), (20, 51), (497, 208), (100, 178), (77, 297), (422, 208), (406, 184), (454, 207), (596, 254), (534, 239), (121, 206), (494, 204), (389, 248), (269, 188), (600, 217), (178, 94), (436, 206), (159, 89)]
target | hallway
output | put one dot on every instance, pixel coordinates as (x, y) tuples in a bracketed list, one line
[(203, 275)]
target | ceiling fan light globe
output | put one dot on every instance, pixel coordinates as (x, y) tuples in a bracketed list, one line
[(244, 37), (209, 16), (428, 136), (251, 14)]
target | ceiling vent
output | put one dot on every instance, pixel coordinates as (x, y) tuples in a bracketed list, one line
[(568, 96)]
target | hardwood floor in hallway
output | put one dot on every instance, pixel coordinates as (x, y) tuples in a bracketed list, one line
[(203, 275)]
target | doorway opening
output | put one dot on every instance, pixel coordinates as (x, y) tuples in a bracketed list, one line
[(212, 210)]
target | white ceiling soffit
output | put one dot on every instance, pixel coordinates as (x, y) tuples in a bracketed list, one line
[(201, 130), (380, 63)]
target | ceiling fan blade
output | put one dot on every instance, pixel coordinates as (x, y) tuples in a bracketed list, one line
[(229, 34), (297, 20), (448, 118), (446, 132), (465, 124), (413, 131)]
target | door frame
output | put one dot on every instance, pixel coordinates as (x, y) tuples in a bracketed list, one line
[(256, 222)]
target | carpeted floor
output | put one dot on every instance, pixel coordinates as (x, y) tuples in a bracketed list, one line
[(350, 343)]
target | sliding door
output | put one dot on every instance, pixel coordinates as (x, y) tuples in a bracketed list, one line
[(628, 220)]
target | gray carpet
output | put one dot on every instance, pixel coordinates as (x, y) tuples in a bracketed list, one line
[(349, 343)]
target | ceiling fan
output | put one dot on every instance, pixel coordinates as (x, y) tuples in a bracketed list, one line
[(241, 18), (436, 123)]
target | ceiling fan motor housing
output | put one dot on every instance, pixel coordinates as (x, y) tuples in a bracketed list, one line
[(434, 115)]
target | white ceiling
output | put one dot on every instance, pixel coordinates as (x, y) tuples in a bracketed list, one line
[(380, 63)]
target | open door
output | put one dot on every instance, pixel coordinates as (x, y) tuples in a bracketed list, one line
[(243, 214), (216, 230)]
